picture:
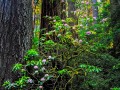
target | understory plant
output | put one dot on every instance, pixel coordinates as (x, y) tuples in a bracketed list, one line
[(70, 57)]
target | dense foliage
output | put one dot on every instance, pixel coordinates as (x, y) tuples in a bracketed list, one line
[(71, 57)]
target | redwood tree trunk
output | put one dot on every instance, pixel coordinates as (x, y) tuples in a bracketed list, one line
[(72, 8), (15, 34), (50, 8), (115, 23)]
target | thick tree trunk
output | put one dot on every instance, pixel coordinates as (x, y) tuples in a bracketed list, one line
[(15, 34), (115, 23)]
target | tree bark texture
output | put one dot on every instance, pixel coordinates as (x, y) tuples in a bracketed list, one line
[(15, 34), (95, 10), (115, 23), (50, 9), (72, 8)]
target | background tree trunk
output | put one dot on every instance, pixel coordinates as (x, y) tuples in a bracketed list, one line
[(15, 34), (50, 8), (95, 10), (115, 23), (72, 8)]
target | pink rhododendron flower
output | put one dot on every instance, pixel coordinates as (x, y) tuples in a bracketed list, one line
[(87, 3), (65, 24), (54, 20), (88, 32), (63, 20), (46, 75), (42, 79), (62, 0), (94, 18), (85, 15), (80, 41), (35, 67), (104, 19), (30, 81), (44, 60), (40, 87)]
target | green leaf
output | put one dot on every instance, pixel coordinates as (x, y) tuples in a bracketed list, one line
[(90, 68), (7, 84), (31, 63), (22, 81), (115, 88), (63, 71), (17, 67), (49, 42), (32, 52)]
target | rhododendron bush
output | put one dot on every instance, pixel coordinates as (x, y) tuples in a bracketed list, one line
[(70, 57)]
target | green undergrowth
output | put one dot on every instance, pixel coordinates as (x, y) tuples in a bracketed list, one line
[(70, 57)]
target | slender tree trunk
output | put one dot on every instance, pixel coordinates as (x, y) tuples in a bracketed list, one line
[(15, 34), (71, 7), (95, 10)]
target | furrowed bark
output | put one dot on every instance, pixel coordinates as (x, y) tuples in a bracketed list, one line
[(15, 34)]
